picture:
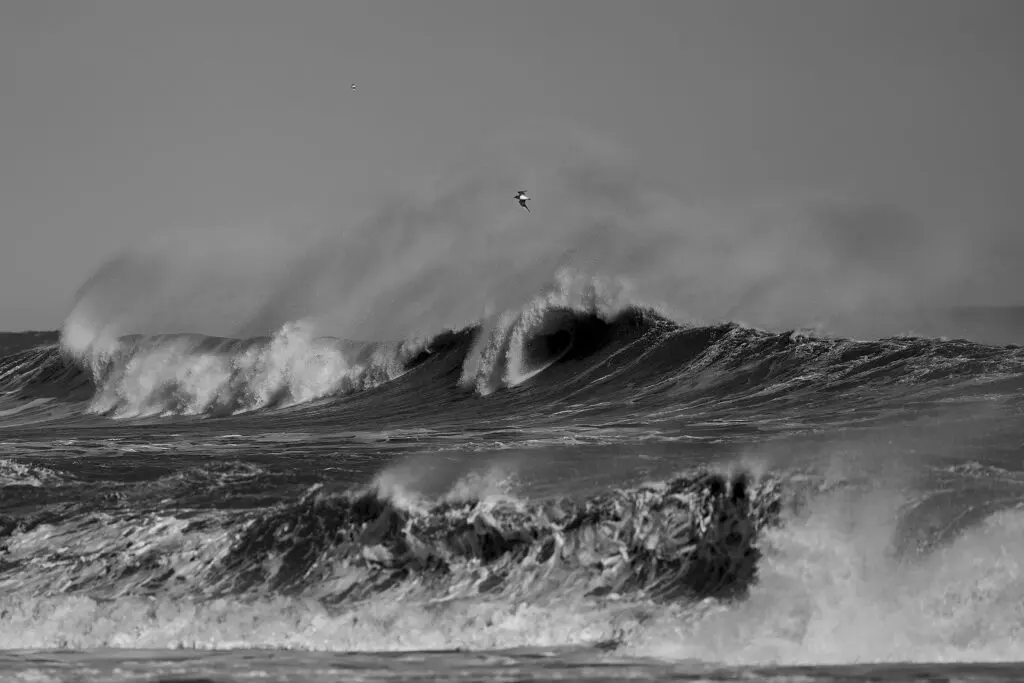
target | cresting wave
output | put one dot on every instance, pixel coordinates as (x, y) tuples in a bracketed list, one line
[(584, 332), (194, 375), (684, 540), (188, 374), (730, 568), (689, 538)]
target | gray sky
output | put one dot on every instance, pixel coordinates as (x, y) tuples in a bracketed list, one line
[(230, 124)]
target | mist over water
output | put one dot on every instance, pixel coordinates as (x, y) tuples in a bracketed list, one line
[(446, 255)]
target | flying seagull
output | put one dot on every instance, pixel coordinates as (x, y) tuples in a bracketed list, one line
[(521, 196)]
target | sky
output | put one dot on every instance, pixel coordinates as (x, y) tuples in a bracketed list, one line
[(230, 126)]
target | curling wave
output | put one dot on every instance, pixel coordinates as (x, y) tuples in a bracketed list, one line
[(582, 337)]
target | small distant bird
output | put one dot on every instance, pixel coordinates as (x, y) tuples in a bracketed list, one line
[(521, 196)]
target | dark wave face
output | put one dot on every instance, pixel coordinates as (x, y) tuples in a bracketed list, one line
[(579, 471)]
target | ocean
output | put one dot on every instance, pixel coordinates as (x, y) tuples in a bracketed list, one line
[(565, 491)]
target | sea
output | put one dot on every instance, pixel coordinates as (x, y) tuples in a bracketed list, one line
[(563, 491)]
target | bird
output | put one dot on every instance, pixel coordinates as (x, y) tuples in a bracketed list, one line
[(521, 196)]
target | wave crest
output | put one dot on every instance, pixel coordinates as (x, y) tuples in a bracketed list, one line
[(195, 375), (519, 344), (583, 333)]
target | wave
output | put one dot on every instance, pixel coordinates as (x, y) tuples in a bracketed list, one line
[(688, 538), (584, 334), (678, 541), (733, 568)]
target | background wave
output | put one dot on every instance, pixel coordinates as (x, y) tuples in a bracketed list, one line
[(582, 335)]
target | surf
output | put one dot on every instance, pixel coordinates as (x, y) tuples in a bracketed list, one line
[(581, 335)]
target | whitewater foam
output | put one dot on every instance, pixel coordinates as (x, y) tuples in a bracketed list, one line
[(829, 591), (832, 591), (187, 375)]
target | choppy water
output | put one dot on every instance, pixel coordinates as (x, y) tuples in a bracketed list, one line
[(571, 491)]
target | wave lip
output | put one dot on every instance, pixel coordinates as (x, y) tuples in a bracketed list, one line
[(519, 344)]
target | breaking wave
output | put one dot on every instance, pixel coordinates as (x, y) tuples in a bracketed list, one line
[(688, 538), (735, 568), (583, 333), (683, 540)]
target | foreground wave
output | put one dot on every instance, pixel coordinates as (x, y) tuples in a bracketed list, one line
[(737, 571), (688, 538)]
